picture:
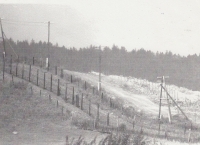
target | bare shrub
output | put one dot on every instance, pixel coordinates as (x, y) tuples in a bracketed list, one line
[(82, 124)]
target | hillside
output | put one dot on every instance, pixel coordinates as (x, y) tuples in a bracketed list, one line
[(26, 117), (129, 104)]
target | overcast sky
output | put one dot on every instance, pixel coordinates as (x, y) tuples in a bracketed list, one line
[(155, 25)]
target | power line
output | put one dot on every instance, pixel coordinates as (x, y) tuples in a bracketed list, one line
[(2, 33), (28, 22), (25, 24)]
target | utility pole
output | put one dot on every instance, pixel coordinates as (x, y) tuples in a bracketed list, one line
[(164, 85), (99, 71), (160, 104), (3, 38), (48, 45)]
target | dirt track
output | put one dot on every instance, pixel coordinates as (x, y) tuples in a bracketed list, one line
[(141, 102)]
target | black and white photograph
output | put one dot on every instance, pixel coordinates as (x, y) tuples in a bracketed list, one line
[(99, 72)]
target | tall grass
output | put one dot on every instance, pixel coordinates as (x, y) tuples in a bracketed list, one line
[(112, 139)]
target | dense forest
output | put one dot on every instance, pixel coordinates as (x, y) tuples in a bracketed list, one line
[(183, 71)]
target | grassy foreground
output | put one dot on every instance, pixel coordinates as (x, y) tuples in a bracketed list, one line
[(28, 118)]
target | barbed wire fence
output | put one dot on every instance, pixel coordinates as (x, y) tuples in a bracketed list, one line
[(81, 94)]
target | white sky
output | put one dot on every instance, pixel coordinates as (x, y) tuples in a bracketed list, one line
[(156, 25)]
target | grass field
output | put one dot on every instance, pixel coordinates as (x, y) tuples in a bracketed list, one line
[(26, 116)]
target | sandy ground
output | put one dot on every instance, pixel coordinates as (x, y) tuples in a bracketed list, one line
[(141, 102)]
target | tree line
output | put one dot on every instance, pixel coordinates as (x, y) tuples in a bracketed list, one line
[(183, 70)]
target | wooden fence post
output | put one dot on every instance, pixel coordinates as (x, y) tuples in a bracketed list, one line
[(166, 134), (3, 66), (55, 70), (11, 65), (62, 110), (108, 119), (37, 76), (73, 96), (41, 62), (33, 60), (89, 107), (48, 65), (31, 90), (77, 101), (58, 88), (101, 97), (57, 104), (97, 112), (23, 71), (95, 123), (66, 93), (16, 69), (71, 79), (67, 140), (189, 136), (185, 128), (12, 79), (18, 59), (93, 90), (51, 83), (110, 102), (82, 101), (44, 80), (49, 98), (85, 85), (61, 73), (29, 76)]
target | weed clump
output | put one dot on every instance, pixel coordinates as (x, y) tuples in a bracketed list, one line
[(82, 124), (112, 139)]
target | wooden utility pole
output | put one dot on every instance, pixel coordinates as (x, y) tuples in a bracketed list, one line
[(160, 104), (99, 71), (2, 33), (169, 110), (48, 45)]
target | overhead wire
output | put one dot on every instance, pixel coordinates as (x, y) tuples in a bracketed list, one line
[(9, 21), (25, 24), (28, 22)]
